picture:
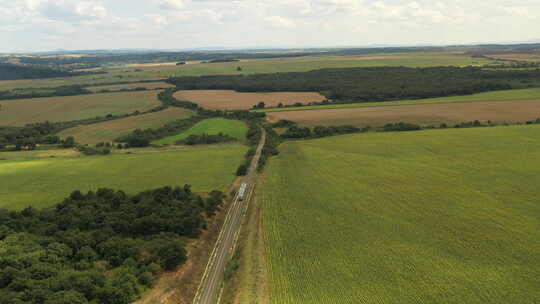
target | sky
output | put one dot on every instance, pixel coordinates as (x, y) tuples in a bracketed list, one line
[(41, 25)]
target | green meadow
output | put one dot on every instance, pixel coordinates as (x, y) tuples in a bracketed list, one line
[(439, 216), (505, 95), (46, 181), (213, 126)]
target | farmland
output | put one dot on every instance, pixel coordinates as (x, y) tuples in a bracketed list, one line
[(108, 131), (23, 111), (135, 73), (227, 99), (439, 216), (44, 182), (503, 95), (424, 114), (233, 128)]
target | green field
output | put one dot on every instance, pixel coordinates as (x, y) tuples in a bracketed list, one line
[(134, 73), (44, 182), (20, 112), (213, 126), (108, 131), (506, 95), (440, 216)]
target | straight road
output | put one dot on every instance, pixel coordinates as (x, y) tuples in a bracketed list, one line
[(212, 279)]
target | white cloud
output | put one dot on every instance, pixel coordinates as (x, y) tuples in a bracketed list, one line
[(236, 23), (69, 11), (172, 4), (282, 22)]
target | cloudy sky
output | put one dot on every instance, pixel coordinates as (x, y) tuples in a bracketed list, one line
[(38, 25)]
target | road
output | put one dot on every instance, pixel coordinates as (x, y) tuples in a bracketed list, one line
[(211, 282)]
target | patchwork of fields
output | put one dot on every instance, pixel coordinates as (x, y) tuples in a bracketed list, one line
[(213, 126), (425, 114), (225, 99), (134, 73), (108, 131), (44, 182), (20, 112), (440, 216)]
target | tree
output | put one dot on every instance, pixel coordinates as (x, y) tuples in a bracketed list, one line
[(280, 105), (122, 288), (239, 69), (260, 105), (66, 297), (172, 254), (69, 142), (242, 170)]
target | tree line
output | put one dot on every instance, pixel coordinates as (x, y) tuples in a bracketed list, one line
[(206, 139), (100, 247), (293, 131), (71, 90), (348, 85)]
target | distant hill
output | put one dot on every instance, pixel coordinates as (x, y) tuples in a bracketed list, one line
[(16, 72)]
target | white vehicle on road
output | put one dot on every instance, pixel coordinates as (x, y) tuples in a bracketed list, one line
[(242, 191)]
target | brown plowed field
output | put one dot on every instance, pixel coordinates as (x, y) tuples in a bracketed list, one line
[(224, 99), (497, 111)]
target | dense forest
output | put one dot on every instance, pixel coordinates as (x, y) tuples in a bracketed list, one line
[(100, 247), (15, 72), (372, 84)]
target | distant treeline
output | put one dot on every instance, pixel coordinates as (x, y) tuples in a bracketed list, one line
[(100, 247), (10, 71), (15, 72), (69, 90), (72, 90), (372, 84)]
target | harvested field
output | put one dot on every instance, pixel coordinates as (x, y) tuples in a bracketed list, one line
[(108, 131), (535, 57), (497, 111), (118, 87), (226, 99), (23, 111)]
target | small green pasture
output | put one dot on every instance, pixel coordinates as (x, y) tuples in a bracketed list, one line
[(505, 95), (44, 182), (439, 216), (213, 126)]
